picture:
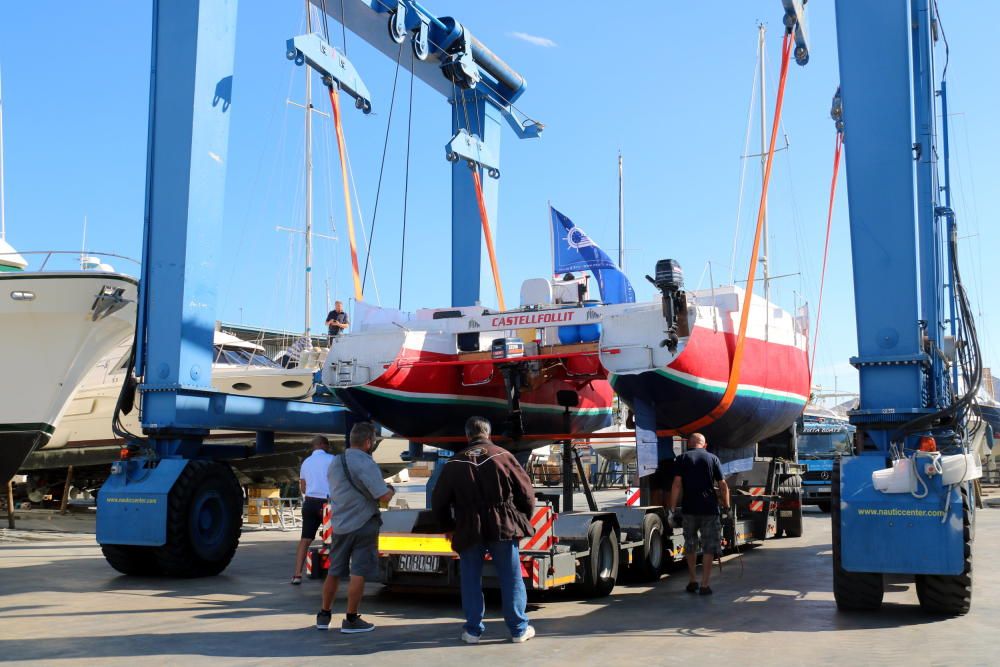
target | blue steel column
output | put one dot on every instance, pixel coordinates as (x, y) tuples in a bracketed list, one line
[(872, 40), (928, 225), (472, 111), (190, 96)]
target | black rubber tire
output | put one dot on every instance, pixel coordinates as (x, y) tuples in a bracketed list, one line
[(853, 591), (131, 560), (824, 506), (791, 489), (950, 595), (204, 521), (653, 554), (600, 568)]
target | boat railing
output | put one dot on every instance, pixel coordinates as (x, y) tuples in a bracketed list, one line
[(55, 255)]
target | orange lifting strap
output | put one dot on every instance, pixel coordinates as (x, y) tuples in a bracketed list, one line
[(487, 235), (349, 210), (838, 148), (734, 369)]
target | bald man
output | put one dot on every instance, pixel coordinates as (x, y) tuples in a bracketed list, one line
[(697, 473)]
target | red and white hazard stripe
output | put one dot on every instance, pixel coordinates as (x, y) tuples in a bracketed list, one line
[(543, 521), (631, 496), (325, 534), (757, 505)]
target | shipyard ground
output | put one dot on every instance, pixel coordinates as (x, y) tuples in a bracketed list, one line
[(60, 604)]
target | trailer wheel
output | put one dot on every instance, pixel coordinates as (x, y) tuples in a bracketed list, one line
[(950, 595), (791, 490), (131, 560), (204, 521), (853, 591), (652, 548), (600, 568)]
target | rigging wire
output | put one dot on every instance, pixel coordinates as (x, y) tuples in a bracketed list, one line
[(743, 168), (381, 169), (838, 149), (734, 371), (406, 182)]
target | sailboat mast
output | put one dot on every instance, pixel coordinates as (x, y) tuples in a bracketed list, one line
[(761, 30), (3, 219), (309, 185), (621, 214)]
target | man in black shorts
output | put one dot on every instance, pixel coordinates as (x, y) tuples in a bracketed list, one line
[(698, 472), (356, 489), (315, 489)]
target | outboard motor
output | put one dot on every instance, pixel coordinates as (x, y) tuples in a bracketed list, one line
[(670, 282)]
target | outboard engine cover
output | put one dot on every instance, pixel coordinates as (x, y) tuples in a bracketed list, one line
[(670, 282)]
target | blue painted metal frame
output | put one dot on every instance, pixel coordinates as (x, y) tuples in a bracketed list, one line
[(873, 43), (132, 505), (331, 64), (190, 99), (895, 532), (897, 238), (471, 112)]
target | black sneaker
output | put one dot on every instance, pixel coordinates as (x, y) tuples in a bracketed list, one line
[(323, 620), (355, 626), (692, 587), (705, 590)]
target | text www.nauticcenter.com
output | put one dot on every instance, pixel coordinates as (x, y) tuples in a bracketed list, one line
[(898, 512)]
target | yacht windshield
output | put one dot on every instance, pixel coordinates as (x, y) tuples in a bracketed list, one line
[(229, 356)]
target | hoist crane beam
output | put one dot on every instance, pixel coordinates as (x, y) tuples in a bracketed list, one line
[(481, 89)]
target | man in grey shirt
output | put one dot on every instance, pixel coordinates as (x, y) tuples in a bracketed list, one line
[(356, 488)]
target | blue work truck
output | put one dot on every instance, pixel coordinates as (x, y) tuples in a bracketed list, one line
[(823, 436)]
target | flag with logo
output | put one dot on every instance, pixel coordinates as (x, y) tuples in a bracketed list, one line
[(573, 250)]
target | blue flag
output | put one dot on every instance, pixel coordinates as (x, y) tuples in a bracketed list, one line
[(573, 250)]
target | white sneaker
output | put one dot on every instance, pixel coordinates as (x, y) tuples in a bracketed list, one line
[(528, 633), (469, 638)]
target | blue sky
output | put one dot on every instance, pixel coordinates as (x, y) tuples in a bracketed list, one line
[(669, 86)]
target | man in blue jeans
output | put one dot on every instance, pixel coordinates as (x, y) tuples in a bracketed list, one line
[(485, 497)]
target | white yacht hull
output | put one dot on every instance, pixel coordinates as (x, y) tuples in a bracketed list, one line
[(53, 329)]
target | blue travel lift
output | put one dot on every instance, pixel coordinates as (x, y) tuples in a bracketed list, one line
[(914, 325), (173, 506)]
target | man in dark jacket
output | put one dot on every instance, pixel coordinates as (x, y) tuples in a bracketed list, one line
[(485, 497)]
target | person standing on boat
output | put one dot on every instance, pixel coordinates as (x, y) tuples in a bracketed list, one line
[(485, 498), (336, 321), (356, 489), (700, 487), (314, 489)]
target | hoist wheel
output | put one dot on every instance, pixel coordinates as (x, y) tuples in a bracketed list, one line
[(853, 591), (204, 521), (950, 595)]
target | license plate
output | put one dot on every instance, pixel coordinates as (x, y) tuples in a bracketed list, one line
[(418, 563), (822, 489)]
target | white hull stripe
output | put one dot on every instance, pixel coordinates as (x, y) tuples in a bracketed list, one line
[(717, 387)]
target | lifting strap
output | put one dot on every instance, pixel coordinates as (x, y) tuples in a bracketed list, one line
[(487, 235), (838, 148), (737, 362), (348, 208)]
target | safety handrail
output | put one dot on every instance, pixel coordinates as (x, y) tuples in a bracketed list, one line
[(48, 255)]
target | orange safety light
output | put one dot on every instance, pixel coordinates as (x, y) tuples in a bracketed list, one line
[(928, 444)]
